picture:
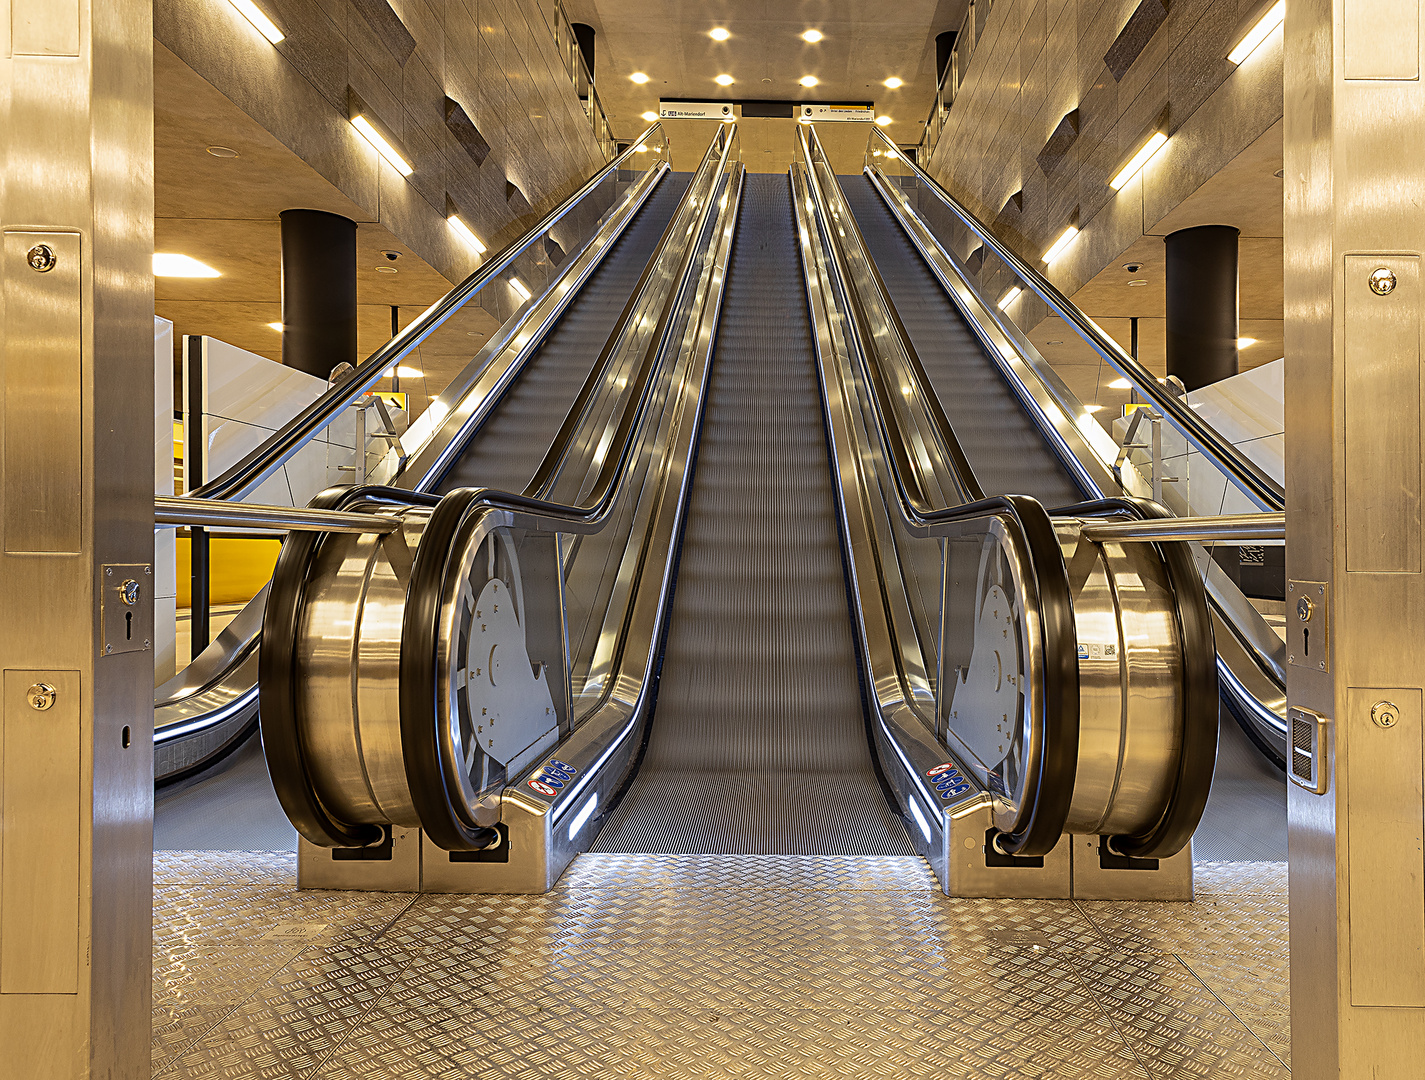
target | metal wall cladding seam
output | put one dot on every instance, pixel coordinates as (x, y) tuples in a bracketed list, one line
[(758, 741), (1005, 448), (504, 453)]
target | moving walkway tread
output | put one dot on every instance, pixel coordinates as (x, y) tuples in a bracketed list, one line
[(505, 452), (1006, 449), (758, 742)]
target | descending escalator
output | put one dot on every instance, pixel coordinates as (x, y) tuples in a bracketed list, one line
[(498, 427), (506, 449), (1005, 448), (758, 742), (1011, 452)]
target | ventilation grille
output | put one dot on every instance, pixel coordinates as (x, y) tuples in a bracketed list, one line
[(1307, 750)]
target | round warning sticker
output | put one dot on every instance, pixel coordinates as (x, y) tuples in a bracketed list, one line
[(543, 788)]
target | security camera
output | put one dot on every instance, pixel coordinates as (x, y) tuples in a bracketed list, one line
[(392, 255), (1133, 268)]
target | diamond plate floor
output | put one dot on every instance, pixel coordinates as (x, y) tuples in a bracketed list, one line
[(699, 966)]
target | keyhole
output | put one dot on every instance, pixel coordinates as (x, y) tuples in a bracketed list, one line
[(1306, 640), (129, 625)]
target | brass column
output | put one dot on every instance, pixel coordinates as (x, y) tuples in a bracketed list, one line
[(1354, 132), (76, 539)]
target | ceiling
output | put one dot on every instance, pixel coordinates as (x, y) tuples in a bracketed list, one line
[(1247, 194), (863, 44), (224, 212)]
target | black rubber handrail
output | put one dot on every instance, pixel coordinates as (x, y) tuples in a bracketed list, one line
[(456, 517), (1049, 788), (266, 458), (1243, 473)]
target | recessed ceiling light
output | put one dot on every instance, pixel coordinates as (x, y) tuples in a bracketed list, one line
[(1120, 384), (723, 80), (1053, 343), (1093, 408), (1245, 342), (387, 270), (222, 151), (719, 33), (649, 116), (519, 287), (809, 80), (882, 121), (171, 265), (275, 326), (410, 372), (639, 77), (1009, 297), (253, 14), (812, 35), (894, 83), (1137, 283)]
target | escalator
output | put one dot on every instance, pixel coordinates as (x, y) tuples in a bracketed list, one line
[(512, 441), (496, 421), (1026, 438), (758, 741), (754, 601), (1004, 447)]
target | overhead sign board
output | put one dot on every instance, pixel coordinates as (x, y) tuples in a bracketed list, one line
[(695, 110), (861, 114)]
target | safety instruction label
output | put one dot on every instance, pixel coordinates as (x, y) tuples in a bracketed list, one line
[(552, 778), (948, 780)]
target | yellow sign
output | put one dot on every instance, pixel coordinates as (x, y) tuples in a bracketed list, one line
[(395, 398)]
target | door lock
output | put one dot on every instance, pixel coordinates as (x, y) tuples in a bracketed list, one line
[(1385, 714), (40, 696)]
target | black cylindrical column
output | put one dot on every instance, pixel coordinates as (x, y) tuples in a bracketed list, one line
[(318, 291), (584, 35), (944, 47), (1202, 304)]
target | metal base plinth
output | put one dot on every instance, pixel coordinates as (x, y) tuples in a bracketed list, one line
[(695, 965), (1079, 867)]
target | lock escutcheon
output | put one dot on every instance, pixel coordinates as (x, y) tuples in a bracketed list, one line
[(1385, 714), (40, 696), (41, 258)]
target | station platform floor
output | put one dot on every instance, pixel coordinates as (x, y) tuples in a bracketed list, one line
[(708, 966)]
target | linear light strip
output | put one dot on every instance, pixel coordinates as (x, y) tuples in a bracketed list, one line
[(1137, 161), (255, 15), (1009, 297), (463, 231), (1259, 33), (1057, 247), (368, 132)]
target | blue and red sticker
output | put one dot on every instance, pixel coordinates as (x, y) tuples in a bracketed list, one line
[(553, 777), (948, 780)]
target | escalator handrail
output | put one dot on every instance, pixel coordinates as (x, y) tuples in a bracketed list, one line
[(463, 516), (1244, 473), (270, 455), (1049, 792)]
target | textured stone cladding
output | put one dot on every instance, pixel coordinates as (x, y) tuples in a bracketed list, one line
[(406, 59), (1124, 72)]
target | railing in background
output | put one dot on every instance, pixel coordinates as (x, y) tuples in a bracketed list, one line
[(953, 75), (580, 75)]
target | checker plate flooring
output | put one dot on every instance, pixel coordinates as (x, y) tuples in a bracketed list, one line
[(677, 966)]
